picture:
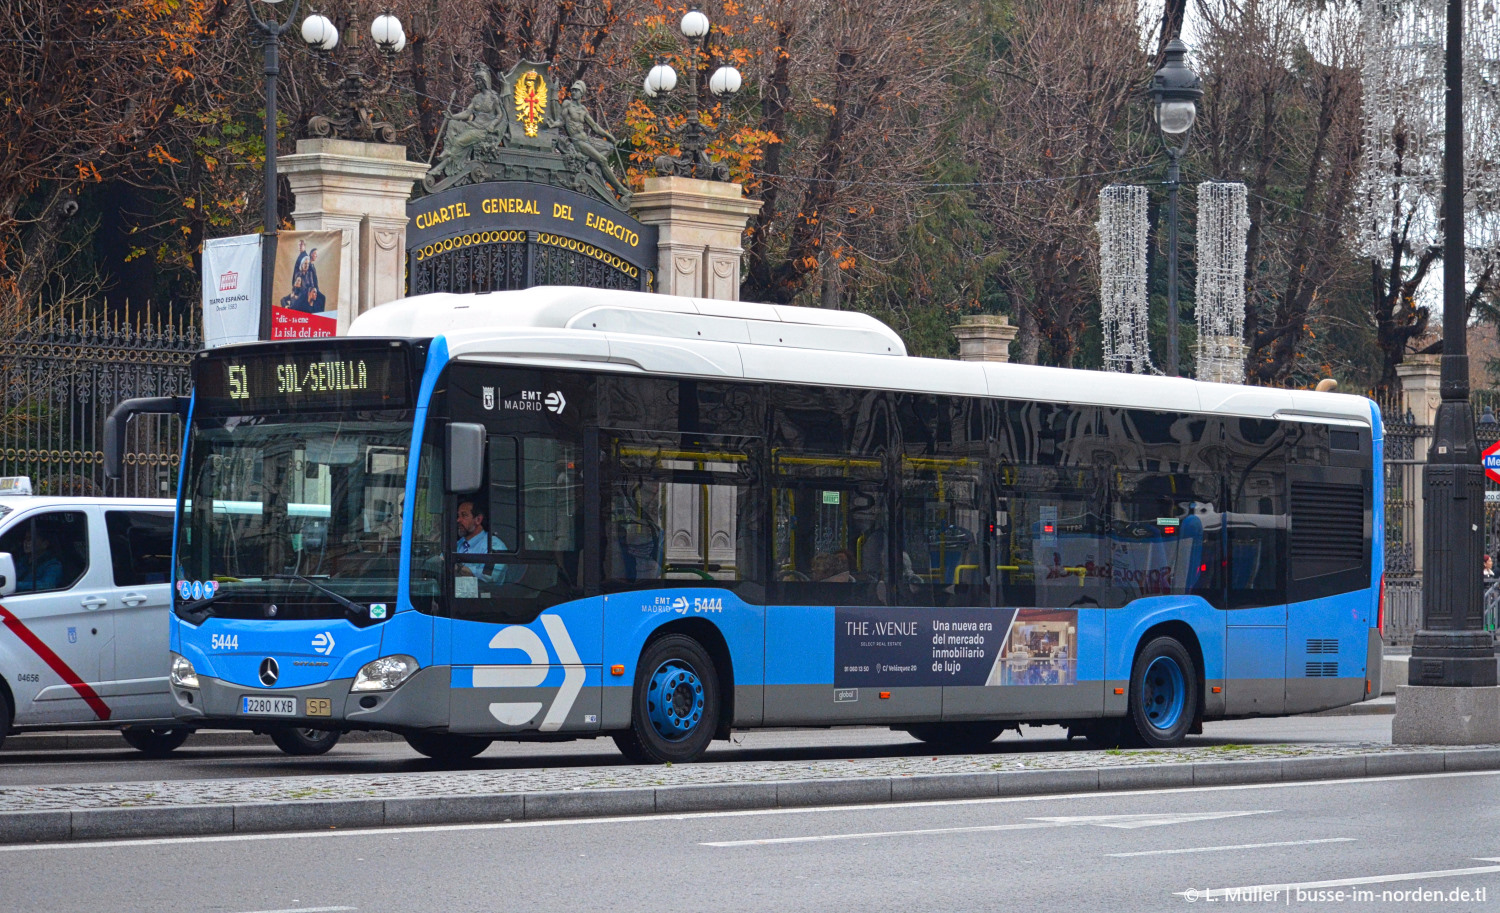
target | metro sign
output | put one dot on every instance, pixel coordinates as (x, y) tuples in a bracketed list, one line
[(1491, 461)]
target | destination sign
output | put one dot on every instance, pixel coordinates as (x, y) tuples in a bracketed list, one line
[(305, 378)]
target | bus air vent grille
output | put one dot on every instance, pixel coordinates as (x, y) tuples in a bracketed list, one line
[(1322, 670), (1328, 523), (1323, 645)]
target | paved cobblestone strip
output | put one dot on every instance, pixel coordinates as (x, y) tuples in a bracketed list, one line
[(1111, 766)]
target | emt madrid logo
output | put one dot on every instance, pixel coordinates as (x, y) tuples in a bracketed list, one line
[(524, 639)]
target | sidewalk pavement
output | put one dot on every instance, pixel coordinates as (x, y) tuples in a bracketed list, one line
[(246, 805)]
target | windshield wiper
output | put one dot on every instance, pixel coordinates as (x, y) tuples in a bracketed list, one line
[(351, 608), (197, 611)]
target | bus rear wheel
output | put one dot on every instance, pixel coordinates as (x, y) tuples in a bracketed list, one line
[(1164, 691), (305, 742), (675, 705), (155, 741), (958, 736), (445, 746)]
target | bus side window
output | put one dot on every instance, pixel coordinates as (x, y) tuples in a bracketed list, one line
[(1166, 536), (680, 511)]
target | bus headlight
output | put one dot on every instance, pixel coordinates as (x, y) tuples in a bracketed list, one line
[(384, 674), (183, 673)]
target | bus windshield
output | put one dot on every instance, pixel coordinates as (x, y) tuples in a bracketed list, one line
[(266, 499)]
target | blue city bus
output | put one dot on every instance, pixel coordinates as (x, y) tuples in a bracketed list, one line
[(561, 513)]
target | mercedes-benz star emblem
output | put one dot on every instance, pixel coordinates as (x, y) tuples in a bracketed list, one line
[(271, 611), (269, 672)]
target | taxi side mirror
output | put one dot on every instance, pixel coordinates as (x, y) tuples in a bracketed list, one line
[(7, 574)]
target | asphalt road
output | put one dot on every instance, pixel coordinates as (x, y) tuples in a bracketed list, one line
[(1097, 852), (122, 764)]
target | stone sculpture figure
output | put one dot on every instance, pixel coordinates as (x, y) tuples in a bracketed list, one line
[(577, 123), (480, 124)]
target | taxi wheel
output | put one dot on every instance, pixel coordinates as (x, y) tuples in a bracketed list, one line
[(5, 714), (305, 742), (443, 746), (155, 741)]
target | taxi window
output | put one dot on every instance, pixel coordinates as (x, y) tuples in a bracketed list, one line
[(140, 546), (51, 550)]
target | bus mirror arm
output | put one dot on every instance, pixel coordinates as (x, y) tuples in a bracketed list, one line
[(465, 457), (114, 426)]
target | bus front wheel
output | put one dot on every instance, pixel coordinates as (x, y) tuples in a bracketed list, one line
[(305, 742), (1163, 694), (675, 705), (443, 746)]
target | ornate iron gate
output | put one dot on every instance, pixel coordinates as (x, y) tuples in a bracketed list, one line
[(61, 378), (497, 261)]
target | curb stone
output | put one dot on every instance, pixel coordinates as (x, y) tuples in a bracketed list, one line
[(302, 815)]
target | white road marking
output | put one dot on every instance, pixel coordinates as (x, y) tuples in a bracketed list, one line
[(381, 832), (309, 910), (1130, 822), (1268, 889), (1238, 846), (1122, 821)]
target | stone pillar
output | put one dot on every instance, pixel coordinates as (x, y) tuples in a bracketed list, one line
[(984, 337), (362, 188), (701, 225), (1420, 388)]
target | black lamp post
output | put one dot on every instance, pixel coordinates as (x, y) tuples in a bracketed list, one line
[(725, 81), (1452, 648), (1175, 90), (268, 34)]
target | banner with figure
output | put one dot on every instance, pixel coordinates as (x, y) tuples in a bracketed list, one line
[(231, 290), (305, 291)]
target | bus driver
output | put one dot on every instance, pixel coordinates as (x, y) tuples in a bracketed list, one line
[(474, 539)]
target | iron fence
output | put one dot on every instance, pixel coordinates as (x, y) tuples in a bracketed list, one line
[(62, 376)]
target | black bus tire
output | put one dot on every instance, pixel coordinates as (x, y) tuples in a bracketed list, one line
[(445, 746), (957, 736), (305, 742), (155, 741), (1164, 689), (675, 703)]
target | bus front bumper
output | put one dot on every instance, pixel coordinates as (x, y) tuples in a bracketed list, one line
[(421, 702)]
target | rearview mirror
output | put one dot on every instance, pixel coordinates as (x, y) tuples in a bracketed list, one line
[(465, 457), (114, 425), (7, 574)]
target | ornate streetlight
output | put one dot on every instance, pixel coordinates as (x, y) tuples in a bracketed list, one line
[(1452, 648), (268, 34), (1175, 90), (358, 90), (724, 83)]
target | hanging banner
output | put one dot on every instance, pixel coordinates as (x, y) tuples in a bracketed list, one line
[(305, 291), (231, 290)]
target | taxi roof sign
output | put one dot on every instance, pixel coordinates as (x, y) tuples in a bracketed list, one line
[(1490, 459), (15, 485)]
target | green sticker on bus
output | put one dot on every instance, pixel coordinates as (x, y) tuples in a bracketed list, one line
[(830, 497)]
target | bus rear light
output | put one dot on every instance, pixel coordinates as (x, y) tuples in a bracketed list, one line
[(384, 674)]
